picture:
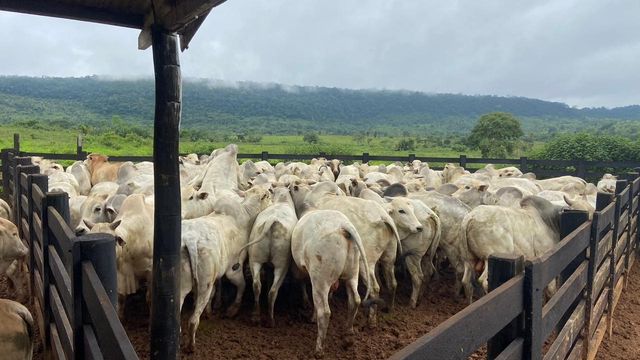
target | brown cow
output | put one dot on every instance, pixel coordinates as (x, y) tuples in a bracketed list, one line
[(101, 169), (16, 332)]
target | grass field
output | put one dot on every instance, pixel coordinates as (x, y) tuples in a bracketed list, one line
[(64, 141)]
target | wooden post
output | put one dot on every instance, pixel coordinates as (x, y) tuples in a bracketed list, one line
[(16, 187), (265, 156), (524, 167), (533, 294), (165, 316), (5, 174), (80, 153), (411, 158), (569, 221), (100, 250), (503, 267), (463, 161), (581, 170), (603, 200), (41, 181), (16, 143), (365, 158)]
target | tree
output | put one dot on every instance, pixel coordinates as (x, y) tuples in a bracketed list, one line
[(311, 138), (496, 134), (405, 145)]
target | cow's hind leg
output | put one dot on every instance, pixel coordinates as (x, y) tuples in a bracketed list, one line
[(257, 287), (204, 293), (278, 278), (415, 270), (237, 279), (322, 312), (354, 302)]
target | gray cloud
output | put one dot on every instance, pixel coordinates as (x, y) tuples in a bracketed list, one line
[(583, 52)]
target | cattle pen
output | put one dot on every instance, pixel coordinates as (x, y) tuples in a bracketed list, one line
[(73, 289)]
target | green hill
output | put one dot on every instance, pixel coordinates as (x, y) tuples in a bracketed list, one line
[(275, 109)]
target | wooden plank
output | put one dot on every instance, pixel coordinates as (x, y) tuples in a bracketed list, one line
[(599, 280), (24, 204), (37, 255), (558, 305), (619, 270), (513, 351), (621, 246), (558, 257), (111, 334), (577, 353), (604, 248), (91, 347), (37, 228), (25, 231), (600, 307), (56, 346), (61, 279), (39, 289), (23, 182), (63, 325), (38, 198), (616, 294), (597, 338), (472, 327), (622, 224), (607, 216), (566, 338), (60, 229)]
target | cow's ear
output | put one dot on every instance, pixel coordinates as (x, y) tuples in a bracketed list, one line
[(296, 188), (354, 182), (120, 241), (203, 195), (115, 224), (482, 188)]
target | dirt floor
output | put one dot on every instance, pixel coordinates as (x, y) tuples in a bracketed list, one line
[(625, 342)]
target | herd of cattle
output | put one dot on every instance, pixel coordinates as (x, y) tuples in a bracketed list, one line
[(323, 221)]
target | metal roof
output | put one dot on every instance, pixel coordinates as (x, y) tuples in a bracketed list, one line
[(181, 16)]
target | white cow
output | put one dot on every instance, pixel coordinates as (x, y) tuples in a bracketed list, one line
[(11, 247), (530, 230), (322, 246), (211, 248), (5, 210), (133, 230), (80, 171), (270, 241), (607, 184)]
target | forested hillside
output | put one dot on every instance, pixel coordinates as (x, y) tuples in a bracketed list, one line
[(274, 109)]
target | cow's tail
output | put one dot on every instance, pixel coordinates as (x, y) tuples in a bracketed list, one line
[(192, 250), (431, 252), (351, 234), (276, 229)]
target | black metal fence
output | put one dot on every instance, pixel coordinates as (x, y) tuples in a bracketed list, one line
[(592, 260)]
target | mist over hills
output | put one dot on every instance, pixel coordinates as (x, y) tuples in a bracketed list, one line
[(279, 109)]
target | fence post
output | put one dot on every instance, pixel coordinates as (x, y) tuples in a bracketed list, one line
[(620, 186), (16, 143), (42, 182), (365, 158), (80, 153), (533, 296), (98, 250), (569, 221), (411, 158), (463, 161), (581, 170), (524, 167), (16, 187), (503, 267), (265, 155), (322, 154), (5, 174), (22, 169)]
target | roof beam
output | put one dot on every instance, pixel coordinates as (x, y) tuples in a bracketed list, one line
[(74, 12)]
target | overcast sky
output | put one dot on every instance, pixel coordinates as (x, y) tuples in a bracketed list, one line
[(582, 52)]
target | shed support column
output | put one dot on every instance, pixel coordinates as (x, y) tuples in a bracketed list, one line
[(165, 316)]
